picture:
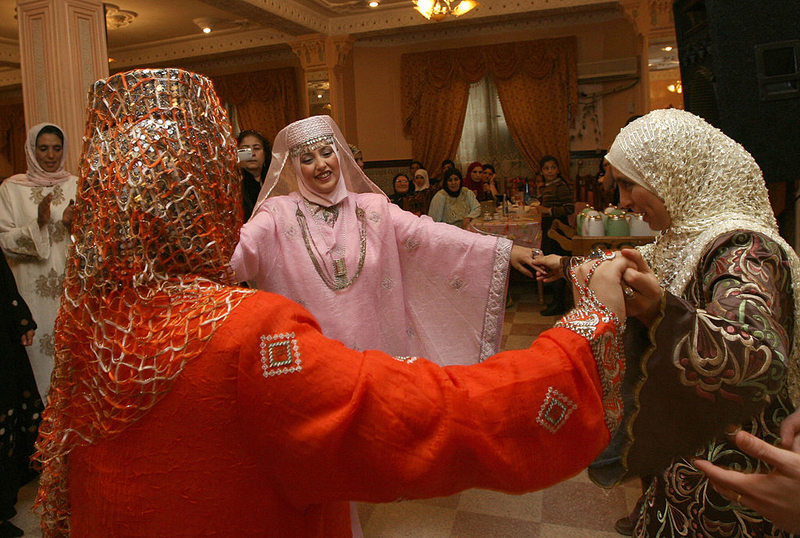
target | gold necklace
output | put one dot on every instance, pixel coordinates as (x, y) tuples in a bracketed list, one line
[(340, 280)]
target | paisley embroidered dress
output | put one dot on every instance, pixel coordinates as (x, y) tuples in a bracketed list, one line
[(37, 256), (724, 347)]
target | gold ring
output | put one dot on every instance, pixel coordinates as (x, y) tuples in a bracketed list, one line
[(628, 292)]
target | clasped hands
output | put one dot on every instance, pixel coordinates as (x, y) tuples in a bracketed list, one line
[(625, 284)]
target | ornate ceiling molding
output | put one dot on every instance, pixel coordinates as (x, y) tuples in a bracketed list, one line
[(498, 25), (10, 77), (289, 16), (196, 47), (9, 53), (487, 13)]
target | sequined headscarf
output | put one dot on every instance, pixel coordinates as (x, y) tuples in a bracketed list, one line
[(307, 135), (710, 186), (157, 218)]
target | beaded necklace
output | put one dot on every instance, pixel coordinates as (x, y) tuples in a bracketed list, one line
[(340, 280)]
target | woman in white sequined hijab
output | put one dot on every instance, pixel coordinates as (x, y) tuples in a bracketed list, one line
[(720, 324)]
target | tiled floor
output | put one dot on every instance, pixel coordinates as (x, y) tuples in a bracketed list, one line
[(573, 509)]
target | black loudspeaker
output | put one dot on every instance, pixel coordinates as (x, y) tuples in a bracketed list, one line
[(740, 70)]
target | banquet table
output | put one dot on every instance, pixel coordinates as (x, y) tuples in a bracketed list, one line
[(523, 228)]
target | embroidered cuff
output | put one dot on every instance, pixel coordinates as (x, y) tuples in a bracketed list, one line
[(601, 327)]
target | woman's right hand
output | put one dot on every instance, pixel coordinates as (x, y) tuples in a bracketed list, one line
[(43, 216), (645, 301), (548, 268), (606, 282)]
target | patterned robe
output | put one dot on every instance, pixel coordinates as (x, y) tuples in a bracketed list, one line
[(718, 356), (37, 257)]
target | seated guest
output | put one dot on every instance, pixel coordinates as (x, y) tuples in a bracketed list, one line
[(419, 202), (474, 178), (253, 170), (286, 425), (415, 165), (489, 186), (453, 204), (402, 188)]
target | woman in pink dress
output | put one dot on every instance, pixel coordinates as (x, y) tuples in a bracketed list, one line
[(374, 276)]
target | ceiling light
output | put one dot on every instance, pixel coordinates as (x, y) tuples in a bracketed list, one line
[(667, 48), (438, 10), (373, 3), (116, 18), (209, 24), (676, 88)]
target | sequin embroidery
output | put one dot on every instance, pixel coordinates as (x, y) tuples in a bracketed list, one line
[(280, 354), (555, 410)]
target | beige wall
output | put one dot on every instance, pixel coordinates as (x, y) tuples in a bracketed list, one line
[(377, 81)]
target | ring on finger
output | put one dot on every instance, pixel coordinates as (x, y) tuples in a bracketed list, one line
[(628, 292)]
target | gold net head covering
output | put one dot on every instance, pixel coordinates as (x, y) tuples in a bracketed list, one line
[(158, 213), (710, 186)]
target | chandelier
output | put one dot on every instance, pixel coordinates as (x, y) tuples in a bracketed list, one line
[(437, 10)]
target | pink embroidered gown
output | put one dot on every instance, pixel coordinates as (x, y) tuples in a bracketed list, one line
[(426, 289)]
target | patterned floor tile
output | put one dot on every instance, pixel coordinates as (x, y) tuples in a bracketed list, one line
[(471, 525), (575, 504), (409, 519), (526, 507)]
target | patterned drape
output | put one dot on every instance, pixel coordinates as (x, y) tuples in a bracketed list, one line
[(12, 140), (266, 101), (536, 81)]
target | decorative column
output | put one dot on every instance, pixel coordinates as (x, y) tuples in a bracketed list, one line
[(322, 58), (62, 53)]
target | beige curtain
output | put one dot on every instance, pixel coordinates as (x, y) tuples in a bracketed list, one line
[(536, 82), (12, 140), (266, 101)]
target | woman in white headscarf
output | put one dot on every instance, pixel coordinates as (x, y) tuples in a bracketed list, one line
[(374, 276), (717, 334), (36, 210)]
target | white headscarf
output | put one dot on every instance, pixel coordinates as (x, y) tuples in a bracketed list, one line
[(307, 135), (710, 186), (423, 173), (36, 175)]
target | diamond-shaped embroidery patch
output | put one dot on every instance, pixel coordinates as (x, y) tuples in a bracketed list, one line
[(555, 410), (280, 354)]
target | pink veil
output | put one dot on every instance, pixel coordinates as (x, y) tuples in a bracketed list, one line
[(282, 179)]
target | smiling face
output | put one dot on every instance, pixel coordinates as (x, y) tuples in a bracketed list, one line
[(550, 171), (453, 183), (320, 169), (640, 200), (401, 185), (255, 164), (49, 150)]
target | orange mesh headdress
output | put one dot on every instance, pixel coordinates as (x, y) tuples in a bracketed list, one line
[(158, 214)]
